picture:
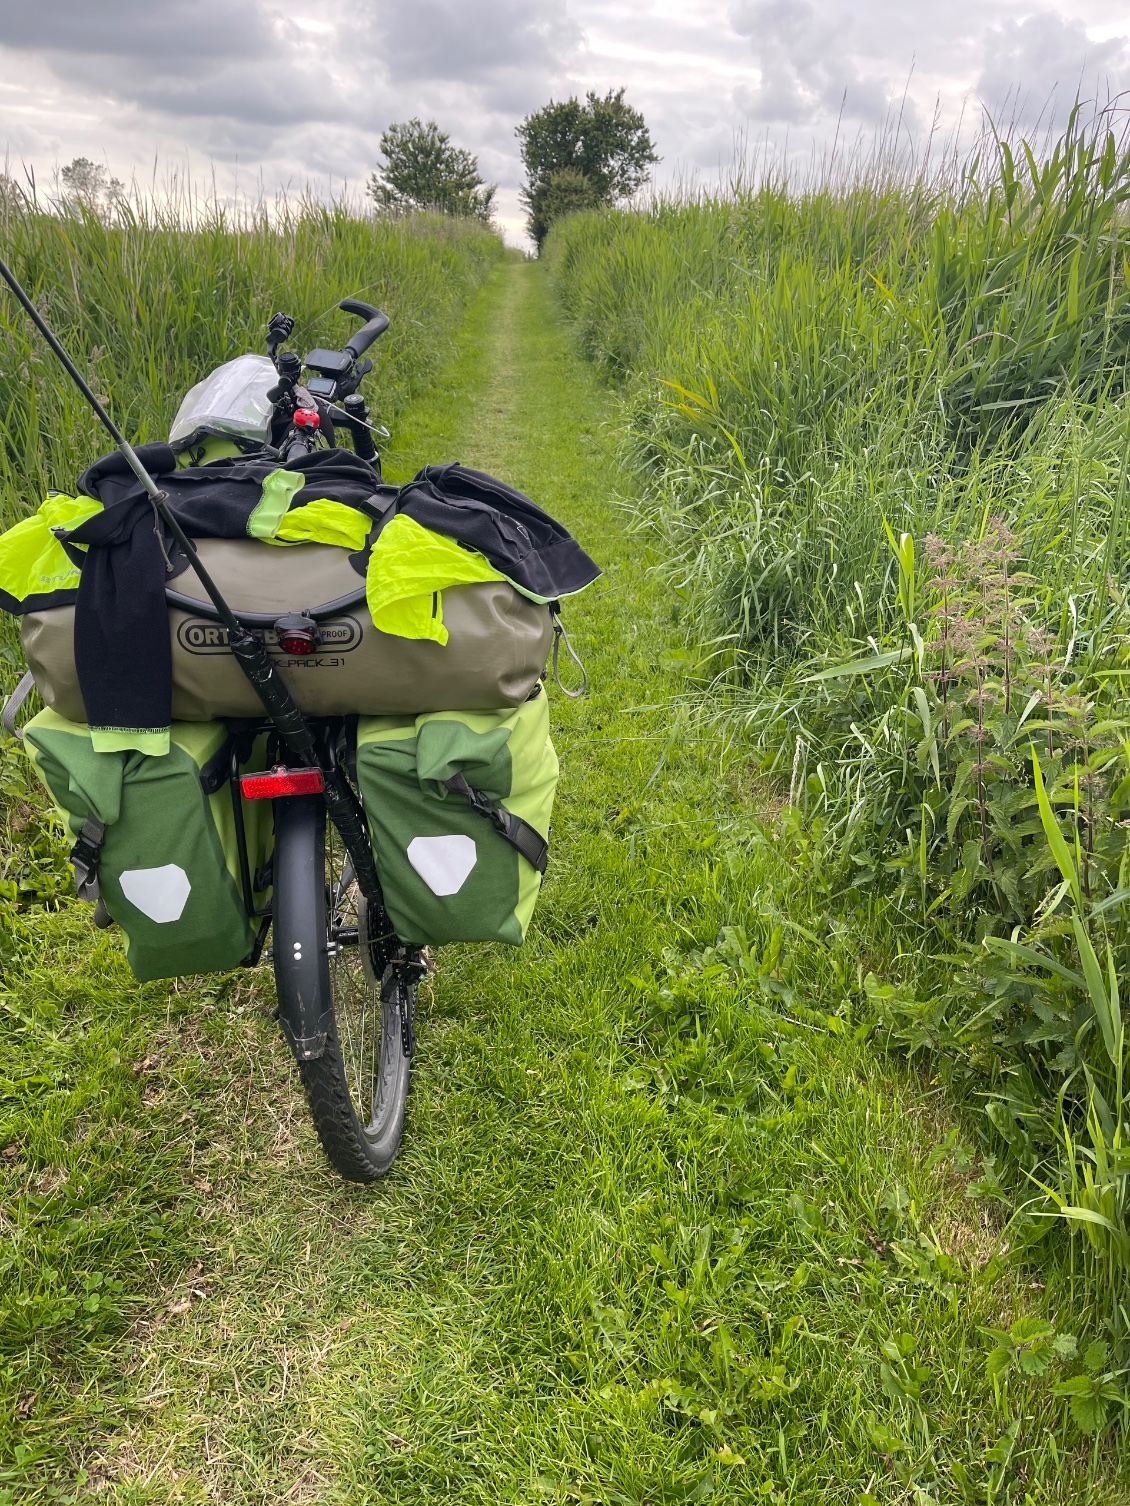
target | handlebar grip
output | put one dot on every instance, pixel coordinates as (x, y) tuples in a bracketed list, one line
[(355, 306), (377, 324), (366, 335)]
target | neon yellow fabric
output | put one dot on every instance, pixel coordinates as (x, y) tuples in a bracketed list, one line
[(211, 447), (409, 569), (317, 522), (324, 522), (130, 739), (274, 500), (32, 560)]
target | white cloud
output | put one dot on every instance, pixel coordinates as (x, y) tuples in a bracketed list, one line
[(808, 63)]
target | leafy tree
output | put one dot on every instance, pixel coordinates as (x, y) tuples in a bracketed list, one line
[(88, 184), (604, 141), (565, 191), (422, 170)]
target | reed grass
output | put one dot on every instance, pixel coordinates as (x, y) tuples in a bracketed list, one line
[(811, 358), (148, 299), (883, 422)]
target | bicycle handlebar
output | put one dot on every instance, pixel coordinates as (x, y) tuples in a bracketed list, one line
[(376, 326)]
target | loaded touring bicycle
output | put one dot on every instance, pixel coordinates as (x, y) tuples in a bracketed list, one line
[(293, 712)]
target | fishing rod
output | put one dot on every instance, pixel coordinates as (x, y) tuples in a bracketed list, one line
[(250, 653)]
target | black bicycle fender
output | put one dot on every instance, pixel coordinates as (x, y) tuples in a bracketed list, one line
[(302, 976)]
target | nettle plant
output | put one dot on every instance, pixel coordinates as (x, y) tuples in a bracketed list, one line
[(969, 772), (1005, 815), (1004, 711)]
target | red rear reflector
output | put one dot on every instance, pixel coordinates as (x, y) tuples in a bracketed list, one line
[(281, 782)]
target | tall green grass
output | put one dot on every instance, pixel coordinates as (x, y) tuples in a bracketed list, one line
[(815, 357), (884, 425), (148, 300)]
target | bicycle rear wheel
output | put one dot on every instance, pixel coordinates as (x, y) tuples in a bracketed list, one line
[(357, 1088)]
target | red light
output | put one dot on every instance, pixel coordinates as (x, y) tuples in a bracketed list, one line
[(280, 781), (297, 634), (307, 418), (297, 643)]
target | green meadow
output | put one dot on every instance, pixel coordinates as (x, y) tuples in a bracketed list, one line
[(783, 1164)]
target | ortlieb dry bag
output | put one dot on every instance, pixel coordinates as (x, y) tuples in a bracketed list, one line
[(459, 806), (162, 848), (379, 600), (496, 650)]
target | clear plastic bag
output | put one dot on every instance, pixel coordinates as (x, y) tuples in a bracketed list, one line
[(230, 400)]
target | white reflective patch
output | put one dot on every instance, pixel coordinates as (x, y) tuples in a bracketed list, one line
[(159, 893), (443, 862)]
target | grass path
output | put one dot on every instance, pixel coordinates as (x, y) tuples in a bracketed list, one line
[(656, 1213)]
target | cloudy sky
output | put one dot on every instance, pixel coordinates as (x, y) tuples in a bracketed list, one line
[(248, 96)]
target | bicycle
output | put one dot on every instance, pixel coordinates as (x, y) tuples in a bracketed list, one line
[(346, 985)]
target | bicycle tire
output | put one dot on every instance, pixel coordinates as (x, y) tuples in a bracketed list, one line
[(357, 1088)]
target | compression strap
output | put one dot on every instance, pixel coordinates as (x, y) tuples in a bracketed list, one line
[(520, 834)]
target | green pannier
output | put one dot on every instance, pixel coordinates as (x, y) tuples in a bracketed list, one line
[(448, 872), (165, 850)]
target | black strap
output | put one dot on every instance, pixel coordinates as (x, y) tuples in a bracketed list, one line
[(238, 744), (216, 772), (511, 828), (84, 858)]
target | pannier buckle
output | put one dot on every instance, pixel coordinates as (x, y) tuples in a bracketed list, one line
[(83, 859)]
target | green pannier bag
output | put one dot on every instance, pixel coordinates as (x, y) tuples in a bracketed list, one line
[(164, 848), (439, 792)]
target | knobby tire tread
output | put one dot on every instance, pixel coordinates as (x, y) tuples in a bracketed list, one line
[(335, 1120)]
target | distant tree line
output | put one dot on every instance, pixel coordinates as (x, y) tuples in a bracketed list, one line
[(576, 155)]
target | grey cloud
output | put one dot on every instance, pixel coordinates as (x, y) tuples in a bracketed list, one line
[(808, 61), (1036, 66), (450, 39), (221, 62), (241, 76), (164, 31), (249, 96), (498, 57)]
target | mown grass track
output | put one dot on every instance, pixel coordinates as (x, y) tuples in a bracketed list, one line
[(657, 1212)]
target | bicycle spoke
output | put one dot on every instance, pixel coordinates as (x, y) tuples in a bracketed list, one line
[(357, 996)]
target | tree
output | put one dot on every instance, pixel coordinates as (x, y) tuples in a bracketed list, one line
[(565, 191), (87, 184), (422, 170), (603, 141)]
